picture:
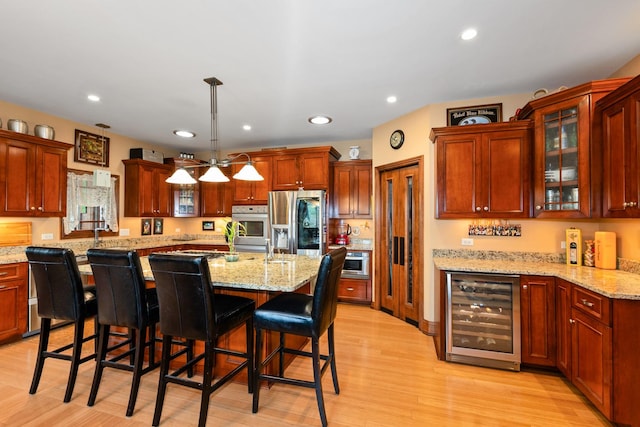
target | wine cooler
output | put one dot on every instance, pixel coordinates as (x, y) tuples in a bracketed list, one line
[(483, 320)]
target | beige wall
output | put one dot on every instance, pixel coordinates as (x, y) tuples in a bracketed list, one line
[(537, 235)]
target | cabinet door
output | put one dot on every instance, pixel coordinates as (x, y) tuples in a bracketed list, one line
[(620, 189), (162, 196), (537, 310), (217, 198), (562, 159), (286, 175), (504, 187), (18, 181), (351, 196), (314, 171), (13, 299), (51, 180), (147, 190), (354, 290), (458, 174), (563, 327), (591, 360), (254, 192)]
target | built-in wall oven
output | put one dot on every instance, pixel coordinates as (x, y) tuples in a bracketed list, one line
[(255, 220), (356, 265)]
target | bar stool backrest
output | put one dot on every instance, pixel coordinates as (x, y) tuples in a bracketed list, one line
[(325, 295)]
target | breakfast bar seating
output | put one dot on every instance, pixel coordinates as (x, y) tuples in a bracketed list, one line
[(190, 309), (61, 296)]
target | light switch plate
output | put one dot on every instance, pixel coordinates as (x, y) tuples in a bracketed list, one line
[(563, 245), (124, 231), (47, 236), (467, 242)]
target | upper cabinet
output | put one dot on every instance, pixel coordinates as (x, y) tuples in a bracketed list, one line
[(483, 171), (145, 192), (562, 170), (618, 119), (253, 192), (351, 196), (33, 175), (306, 168)]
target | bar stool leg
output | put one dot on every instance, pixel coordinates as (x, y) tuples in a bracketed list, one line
[(45, 328), (317, 378), (332, 355), (258, 370), (75, 358), (162, 384)]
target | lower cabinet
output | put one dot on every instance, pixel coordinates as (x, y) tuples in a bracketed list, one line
[(538, 320), (354, 290), (13, 301)]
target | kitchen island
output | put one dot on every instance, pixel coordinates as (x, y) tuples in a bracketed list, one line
[(251, 277)]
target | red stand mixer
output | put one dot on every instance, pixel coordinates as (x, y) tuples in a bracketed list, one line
[(343, 234)]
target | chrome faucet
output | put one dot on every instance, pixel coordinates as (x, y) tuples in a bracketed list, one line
[(268, 253), (96, 235)]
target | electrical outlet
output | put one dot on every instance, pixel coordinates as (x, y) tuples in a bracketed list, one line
[(177, 230), (467, 242), (47, 236), (124, 231), (563, 245)]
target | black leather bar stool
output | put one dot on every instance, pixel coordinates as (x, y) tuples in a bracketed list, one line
[(190, 309), (61, 296), (124, 301), (305, 315)]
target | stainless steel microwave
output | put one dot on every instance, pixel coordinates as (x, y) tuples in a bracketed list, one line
[(356, 265)]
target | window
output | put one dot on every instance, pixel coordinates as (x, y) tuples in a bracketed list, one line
[(90, 206)]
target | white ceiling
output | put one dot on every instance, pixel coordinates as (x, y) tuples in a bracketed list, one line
[(282, 61)]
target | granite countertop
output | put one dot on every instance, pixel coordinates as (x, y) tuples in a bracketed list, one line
[(615, 284), (251, 272)]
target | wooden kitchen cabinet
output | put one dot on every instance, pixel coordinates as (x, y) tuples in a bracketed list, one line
[(306, 168), (563, 326), (33, 176), (13, 301), (483, 171), (565, 166), (538, 320), (217, 197), (354, 290), (146, 192), (253, 192), (351, 196), (618, 124)]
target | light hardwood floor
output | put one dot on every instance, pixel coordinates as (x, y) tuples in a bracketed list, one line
[(388, 373)]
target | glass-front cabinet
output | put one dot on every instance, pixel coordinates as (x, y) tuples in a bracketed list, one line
[(564, 170)]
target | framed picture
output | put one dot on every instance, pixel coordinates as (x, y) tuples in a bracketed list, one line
[(478, 114), (208, 225), (91, 148), (158, 225), (145, 229)]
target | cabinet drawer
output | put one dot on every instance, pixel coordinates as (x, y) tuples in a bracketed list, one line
[(13, 271), (353, 290), (596, 305)]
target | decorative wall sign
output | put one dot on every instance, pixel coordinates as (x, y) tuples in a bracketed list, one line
[(158, 225), (91, 148), (208, 225), (146, 227), (490, 113)]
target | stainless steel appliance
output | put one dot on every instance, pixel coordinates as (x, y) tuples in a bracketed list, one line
[(255, 220), (483, 320), (356, 265), (297, 221)]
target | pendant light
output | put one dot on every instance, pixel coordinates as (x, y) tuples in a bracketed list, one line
[(214, 174)]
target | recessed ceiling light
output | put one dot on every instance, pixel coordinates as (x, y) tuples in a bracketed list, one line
[(320, 120), (246, 127), (94, 98), (184, 133), (391, 99), (469, 34)]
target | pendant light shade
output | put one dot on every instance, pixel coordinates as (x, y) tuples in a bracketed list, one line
[(182, 177), (214, 174), (248, 173)]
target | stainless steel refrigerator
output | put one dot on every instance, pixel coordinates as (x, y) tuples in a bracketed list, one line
[(297, 221)]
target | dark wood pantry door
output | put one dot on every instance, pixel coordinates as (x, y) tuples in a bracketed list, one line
[(400, 245)]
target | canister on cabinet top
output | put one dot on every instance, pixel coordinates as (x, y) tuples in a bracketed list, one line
[(606, 250), (574, 246)]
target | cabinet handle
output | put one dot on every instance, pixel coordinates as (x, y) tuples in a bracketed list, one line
[(3, 273), (3, 286), (40, 208), (633, 204), (478, 208), (571, 321), (350, 289), (524, 286), (625, 205), (486, 208), (587, 303), (32, 208), (538, 207)]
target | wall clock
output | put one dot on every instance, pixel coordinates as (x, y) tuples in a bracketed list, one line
[(397, 139)]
